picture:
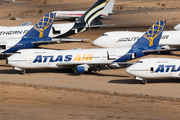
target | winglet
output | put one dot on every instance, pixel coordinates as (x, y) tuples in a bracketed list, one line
[(152, 36), (42, 28)]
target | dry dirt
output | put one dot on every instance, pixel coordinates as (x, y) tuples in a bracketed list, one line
[(59, 94)]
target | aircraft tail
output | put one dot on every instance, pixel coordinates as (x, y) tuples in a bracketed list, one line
[(93, 14), (42, 28), (152, 36), (108, 9)]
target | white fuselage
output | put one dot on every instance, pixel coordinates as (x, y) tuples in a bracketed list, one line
[(20, 31), (128, 38), (43, 58), (6, 44), (151, 68), (71, 14)]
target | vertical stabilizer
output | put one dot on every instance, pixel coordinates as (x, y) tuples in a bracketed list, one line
[(108, 9), (152, 36), (42, 28), (93, 14)]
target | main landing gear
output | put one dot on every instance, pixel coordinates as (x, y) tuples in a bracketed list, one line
[(144, 81), (23, 72)]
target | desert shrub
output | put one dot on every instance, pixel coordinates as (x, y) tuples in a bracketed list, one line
[(163, 5), (40, 11)]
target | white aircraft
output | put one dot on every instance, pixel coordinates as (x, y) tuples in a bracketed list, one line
[(87, 59), (155, 68), (11, 45), (108, 10), (90, 19), (169, 40)]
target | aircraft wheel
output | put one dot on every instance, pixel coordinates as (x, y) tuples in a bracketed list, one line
[(144, 82), (23, 72)]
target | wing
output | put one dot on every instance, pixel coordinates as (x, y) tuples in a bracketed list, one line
[(59, 40), (98, 66)]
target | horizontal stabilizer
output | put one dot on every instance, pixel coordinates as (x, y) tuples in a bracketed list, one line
[(149, 51), (95, 26), (59, 40), (177, 27)]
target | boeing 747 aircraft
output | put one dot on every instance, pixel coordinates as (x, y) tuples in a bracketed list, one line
[(82, 60), (155, 68), (170, 40)]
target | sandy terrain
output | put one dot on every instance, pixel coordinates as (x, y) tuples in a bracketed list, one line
[(60, 94)]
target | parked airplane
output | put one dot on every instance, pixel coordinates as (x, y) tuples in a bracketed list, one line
[(87, 59), (169, 40), (77, 14), (155, 68), (90, 19), (36, 36)]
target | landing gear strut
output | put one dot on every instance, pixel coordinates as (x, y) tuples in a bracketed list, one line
[(23, 72), (144, 81)]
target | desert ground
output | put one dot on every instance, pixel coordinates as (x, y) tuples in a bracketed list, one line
[(48, 94)]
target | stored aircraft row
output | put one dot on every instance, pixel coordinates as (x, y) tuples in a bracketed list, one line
[(87, 59), (119, 46), (22, 37), (155, 68)]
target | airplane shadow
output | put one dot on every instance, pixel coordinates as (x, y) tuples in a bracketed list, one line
[(12, 71), (96, 74), (65, 71), (133, 81), (5, 66)]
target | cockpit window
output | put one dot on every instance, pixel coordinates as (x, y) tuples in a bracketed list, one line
[(2, 47), (105, 35)]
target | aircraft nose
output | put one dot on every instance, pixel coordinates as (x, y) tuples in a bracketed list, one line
[(128, 70), (8, 60), (98, 42)]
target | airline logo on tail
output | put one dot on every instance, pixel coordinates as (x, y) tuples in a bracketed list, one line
[(44, 23), (154, 31)]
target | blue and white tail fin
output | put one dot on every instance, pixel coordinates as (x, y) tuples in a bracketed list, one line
[(93, 13), (42, 28), (108, 9), (152, 36)]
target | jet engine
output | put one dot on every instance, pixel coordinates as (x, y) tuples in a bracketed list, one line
[(81, 69)]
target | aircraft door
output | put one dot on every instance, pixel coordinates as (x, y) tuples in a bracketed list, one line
[(2, 48), (30, 60), (111, 55), (151, 69)]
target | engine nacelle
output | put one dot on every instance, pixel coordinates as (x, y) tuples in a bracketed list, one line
[(81, 69)]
